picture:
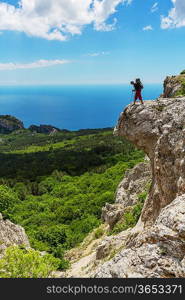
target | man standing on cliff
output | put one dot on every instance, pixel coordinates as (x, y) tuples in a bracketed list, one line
[(137, 89)]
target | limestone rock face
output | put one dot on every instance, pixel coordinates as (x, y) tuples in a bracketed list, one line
[(173, 85), (111, 244), (11, 234), (112, 213), (158, 251), (133, 183), (158, 128), (156, 246)]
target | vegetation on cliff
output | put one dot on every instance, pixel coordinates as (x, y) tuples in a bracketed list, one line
[(174, 86), (181, 91), (131, 214)]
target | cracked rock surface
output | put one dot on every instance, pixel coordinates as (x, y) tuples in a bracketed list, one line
[(158, 251)]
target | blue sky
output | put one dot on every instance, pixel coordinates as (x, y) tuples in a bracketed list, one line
[(90, 41)]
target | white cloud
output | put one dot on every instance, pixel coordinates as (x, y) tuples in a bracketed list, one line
[(154, 7), (98, 53), (106, 27), (176, 16), (57, 19), (37, 64), (148, 27)]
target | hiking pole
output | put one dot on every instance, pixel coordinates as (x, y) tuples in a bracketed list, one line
[(132, 96)]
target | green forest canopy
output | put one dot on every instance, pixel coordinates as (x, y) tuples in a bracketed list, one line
[(55, 186)]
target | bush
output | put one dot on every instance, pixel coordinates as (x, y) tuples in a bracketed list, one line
[(7, 198), (21, 189), (183, 72), (54, 235), (98, 233), (26, 263)]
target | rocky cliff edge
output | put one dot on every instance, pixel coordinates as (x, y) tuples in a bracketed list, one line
[(158, 128), (156, 246)]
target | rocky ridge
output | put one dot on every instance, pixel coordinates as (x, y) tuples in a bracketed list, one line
[(9, 124), (46, 129)]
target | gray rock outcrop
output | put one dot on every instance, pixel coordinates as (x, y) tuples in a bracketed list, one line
[(111, 244), (156, 252), (9, 124), (173, 86), (11, 234), (112, 213), (132, 184)]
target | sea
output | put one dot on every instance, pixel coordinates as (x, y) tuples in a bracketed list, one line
[(70, 107)]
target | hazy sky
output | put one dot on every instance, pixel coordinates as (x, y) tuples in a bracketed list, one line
[(90, 41)]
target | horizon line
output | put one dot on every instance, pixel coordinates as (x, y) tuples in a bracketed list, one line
[(70, 84)]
